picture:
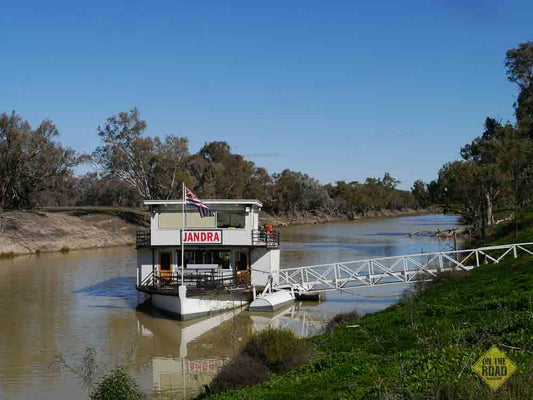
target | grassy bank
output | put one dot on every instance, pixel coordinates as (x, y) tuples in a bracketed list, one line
[(425, 346), (521, 233)]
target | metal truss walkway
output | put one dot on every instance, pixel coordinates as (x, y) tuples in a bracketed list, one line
[(388, 270)]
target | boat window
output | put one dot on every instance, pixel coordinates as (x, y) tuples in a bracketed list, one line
[(203, 257), (222, 258), (241, 258), (189, 258), (231, 219), (174, 220)]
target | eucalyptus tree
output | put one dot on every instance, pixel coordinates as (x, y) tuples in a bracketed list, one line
[(260, 186), (347, 197), (519, 63), (462, 188), (516, 159), (172, 167), (485, 151), (420, 192), (150, 165), (295, 191), (219, 172), (34, 167)]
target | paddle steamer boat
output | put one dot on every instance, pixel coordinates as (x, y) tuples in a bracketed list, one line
[(226, 255)]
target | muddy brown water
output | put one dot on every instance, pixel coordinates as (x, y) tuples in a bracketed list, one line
[(61, 304)]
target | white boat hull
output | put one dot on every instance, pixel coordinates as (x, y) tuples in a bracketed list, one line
[(184, 307)]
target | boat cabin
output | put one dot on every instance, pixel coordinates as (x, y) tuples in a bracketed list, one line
[(228, 249)]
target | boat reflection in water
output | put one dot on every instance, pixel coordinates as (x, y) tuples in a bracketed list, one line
[(187, 355)]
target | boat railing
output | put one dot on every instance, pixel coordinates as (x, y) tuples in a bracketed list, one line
[(199, 279), (267, 238), (144, 238)]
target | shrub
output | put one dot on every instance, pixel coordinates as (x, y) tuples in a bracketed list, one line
[(240, 372), (271, 350), (444, 276), (64, 249), (279, 349), (117, 385), (341, 319), (447, 276)]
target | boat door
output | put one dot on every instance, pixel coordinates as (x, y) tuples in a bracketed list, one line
[(242, 266), (165, 265)]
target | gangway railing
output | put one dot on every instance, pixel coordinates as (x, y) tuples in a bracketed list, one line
[(388, 270)]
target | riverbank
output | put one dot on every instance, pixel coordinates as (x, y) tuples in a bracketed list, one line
[(425, 346), (67, 229), (317, 217), (75, 228)]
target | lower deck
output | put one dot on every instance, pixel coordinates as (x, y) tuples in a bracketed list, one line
[(204, 268)]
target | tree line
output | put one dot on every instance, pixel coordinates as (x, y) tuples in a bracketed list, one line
[(496, 169), (37, 170)]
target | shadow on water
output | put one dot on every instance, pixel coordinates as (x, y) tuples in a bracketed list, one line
[(121, 287), (146, 308)]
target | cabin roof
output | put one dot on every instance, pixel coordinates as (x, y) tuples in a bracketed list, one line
[(252, 202)]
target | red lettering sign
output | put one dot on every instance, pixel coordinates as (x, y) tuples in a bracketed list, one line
[(203, 365), (202, 237)]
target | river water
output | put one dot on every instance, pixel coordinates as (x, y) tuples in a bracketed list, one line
[(61, 304)]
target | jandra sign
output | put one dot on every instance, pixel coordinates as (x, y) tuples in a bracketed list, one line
[(202, 237)]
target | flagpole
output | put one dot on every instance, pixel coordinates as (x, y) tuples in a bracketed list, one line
[(183, 227)]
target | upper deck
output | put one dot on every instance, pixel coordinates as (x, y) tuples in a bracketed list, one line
[(235, 223)]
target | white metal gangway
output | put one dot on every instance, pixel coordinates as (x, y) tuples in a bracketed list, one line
[(388, 270)]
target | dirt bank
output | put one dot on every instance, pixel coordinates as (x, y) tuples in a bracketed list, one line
[(302, 218), (64, 230)]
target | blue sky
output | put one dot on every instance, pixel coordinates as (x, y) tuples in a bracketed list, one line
[(340, 90)]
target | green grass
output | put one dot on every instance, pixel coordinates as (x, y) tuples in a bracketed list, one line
[(425, 346), (505, 233)]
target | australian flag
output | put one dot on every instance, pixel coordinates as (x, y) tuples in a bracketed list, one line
[(192, 200)]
